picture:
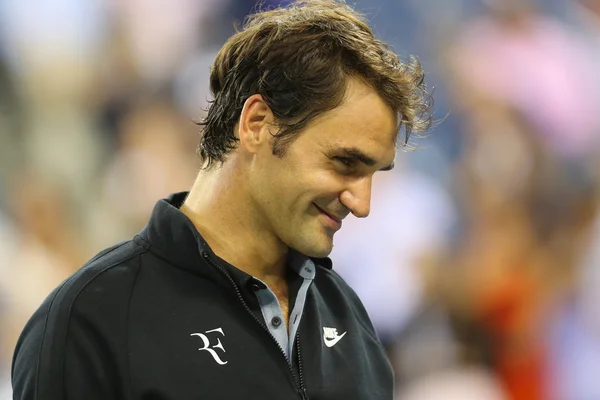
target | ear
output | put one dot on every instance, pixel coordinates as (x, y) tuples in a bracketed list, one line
[(254, 125)]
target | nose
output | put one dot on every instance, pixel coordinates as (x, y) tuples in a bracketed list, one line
[(357, 197)]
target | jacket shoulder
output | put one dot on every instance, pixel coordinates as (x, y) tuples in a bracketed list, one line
[(92, 301), (109, 273)]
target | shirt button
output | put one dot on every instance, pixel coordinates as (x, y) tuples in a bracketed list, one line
[(276, 321), (257, 285)]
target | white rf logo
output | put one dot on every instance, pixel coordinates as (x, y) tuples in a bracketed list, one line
[(209, 348)]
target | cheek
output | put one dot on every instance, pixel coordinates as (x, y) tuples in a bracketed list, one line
[(295, 183), (327, 184), (295, 194)]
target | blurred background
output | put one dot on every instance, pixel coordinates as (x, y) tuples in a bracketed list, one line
[(482, 251)]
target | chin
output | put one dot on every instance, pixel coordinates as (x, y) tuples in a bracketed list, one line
[(318, 254), (315, 250)]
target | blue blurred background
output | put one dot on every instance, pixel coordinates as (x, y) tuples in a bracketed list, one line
[(482, 247)]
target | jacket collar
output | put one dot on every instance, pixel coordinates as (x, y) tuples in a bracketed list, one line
[(172, 236)]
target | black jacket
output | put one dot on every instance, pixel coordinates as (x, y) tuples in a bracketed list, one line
[(161, 317)]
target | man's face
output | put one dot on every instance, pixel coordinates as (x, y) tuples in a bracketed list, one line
[(326, 173)]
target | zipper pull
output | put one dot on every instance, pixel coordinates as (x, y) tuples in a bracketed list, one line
[(303, 394)]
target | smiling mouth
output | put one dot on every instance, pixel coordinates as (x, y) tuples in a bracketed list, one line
[(333, 222), (329, 215)]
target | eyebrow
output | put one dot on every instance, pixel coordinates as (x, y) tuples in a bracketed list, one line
[(357, 154)]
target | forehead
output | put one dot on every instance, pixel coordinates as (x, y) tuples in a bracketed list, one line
[(363, 120)]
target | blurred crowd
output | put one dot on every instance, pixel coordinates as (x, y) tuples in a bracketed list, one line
[(482, 250)]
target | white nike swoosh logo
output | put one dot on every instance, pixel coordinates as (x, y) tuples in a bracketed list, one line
[(333, 341)]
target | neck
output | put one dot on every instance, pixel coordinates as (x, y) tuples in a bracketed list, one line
[(221, 210)]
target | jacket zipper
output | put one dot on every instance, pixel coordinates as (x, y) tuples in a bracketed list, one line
[(298, 382), (303, 393)]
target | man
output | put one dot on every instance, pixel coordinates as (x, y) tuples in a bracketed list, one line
[(227, 294)]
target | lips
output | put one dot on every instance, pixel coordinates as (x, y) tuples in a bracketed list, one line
[(336, 219), (331, 221)]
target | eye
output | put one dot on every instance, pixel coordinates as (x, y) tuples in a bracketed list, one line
[(345, 161)]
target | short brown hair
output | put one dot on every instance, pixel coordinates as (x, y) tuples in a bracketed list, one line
[(299, 59)]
